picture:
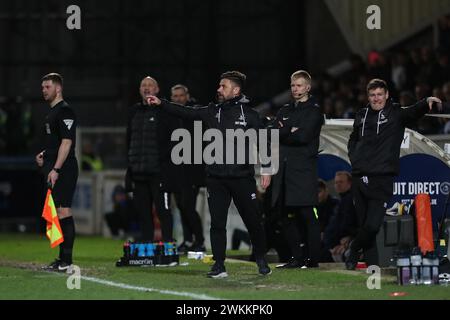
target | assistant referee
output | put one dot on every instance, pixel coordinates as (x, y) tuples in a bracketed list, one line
[(59, 163)]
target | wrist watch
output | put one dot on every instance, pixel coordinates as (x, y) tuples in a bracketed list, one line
[(56, 170)]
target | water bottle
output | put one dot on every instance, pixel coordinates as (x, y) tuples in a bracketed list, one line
[(169, 254), (403, 270), (166, 248), (416, 266), (427, 270), (150, 249), (141, 249), (175, 250), (133, 250), (435, 270), (171, 249)]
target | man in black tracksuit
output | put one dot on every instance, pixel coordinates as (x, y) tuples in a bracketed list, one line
[(294, 189), (374, 151), (150, 173), (229, 181)]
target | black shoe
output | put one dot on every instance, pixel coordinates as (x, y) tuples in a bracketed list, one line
[(52, 266), (307, 264), (184, 247), (352, 260), (65, 267), (291, 264), (263, 267), (218, 271), (196, 247)]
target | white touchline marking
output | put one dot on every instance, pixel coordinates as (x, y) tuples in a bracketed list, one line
[(144, 289)]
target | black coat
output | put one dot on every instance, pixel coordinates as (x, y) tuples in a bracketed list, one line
[(374, 144), (149, 146), (297, 174)]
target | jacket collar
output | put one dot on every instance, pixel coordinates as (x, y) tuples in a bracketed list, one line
[(142, 105), (310, 102), (387, 107), (242, 99)]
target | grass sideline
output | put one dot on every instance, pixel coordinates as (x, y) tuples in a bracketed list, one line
[(22, 255)]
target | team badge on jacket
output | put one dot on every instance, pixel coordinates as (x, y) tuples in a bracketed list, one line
[(241, 121)]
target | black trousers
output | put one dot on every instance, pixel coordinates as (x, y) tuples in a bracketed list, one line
[(370, 195), (243, 193), (146, 193), (302, 223), (190, 219)]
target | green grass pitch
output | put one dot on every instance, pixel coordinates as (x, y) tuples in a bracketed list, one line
[(22, 255)]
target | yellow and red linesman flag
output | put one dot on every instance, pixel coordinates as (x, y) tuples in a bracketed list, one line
[(54, 232)]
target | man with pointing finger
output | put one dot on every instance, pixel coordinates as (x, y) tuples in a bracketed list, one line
[(229, 181)]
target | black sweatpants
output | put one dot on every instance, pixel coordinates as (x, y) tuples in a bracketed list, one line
[(190, 219), (146, 193), (370, 195), (243, 193)]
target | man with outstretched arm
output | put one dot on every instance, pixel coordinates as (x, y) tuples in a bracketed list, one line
[(229, 181), (374, 152)]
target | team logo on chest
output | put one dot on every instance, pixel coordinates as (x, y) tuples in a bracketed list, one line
[(241, 121), (382, 118)]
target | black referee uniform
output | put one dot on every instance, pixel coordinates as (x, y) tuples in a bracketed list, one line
[(61, 123)]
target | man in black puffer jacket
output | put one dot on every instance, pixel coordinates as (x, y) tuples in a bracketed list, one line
[(150, 173), (227, 180), (374, 151)]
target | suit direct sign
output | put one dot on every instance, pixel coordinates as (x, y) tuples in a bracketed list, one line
[(422, 173)]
